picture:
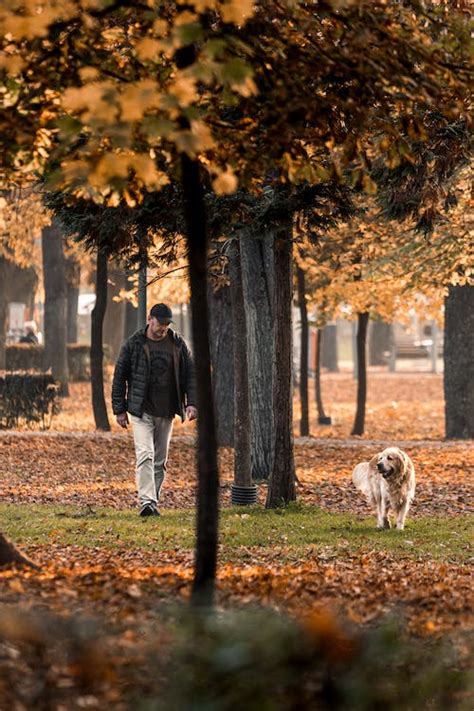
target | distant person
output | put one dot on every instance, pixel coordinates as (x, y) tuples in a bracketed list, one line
[(154, 380), (30, 334)]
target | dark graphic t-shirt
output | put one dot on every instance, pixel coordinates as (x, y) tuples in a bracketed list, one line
[(161, 398)]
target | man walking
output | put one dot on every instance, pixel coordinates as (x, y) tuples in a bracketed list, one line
[(154, 380)]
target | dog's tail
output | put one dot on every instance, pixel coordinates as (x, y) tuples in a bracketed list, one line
[(360, 479)]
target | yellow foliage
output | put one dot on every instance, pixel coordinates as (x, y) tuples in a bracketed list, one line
[(22, 217), (226, 182), (236, 11), (148, 48), (11, 63), (183, 88)]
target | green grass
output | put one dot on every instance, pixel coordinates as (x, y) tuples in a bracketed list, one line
[(295, 530)]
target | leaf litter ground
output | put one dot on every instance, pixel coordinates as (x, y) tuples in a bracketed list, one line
[(78, 473)]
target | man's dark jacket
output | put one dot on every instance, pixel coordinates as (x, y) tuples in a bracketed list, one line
[(132, 375)]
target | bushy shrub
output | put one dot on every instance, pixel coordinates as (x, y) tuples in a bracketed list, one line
[(27, 356), (225, 661), (24, 356), (31, 398), (263, 661), (79, 362)]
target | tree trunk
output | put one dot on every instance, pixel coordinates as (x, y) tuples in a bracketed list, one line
[(9, 555), (281, 489), (131, 311), (4, 274), (242, 476), (222, 359), (114, 321), (55, 306), (97, 353), (379, 342), (317, 377), (329, 354), (208, 474), (142, 312), (258, 279), (459, 362), (304, 422), (22, 287), (359, 422), (73, 280)]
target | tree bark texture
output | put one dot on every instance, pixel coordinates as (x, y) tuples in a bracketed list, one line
[(55, 305), (99, 406), (16, 284), (131, 311), (317, 376), (362, 325), (242, 440), (329, 352), (379, 342), (208, 474), (304, 422), (4, 299), (258, 282), (9, 555), (22, 287), (114, 321), (222, 359), (281, 488), (142, 282), (459, 362), (73, 280)]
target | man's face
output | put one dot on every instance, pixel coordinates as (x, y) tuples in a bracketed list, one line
[(157, 330)]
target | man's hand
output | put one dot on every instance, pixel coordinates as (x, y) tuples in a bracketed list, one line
[(122, 420), (191, 412)]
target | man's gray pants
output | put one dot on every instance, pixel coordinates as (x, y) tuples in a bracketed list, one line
[(152, 437)]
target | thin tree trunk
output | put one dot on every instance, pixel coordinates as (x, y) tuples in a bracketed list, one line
[(208, 474), (222, 359), (114, 321), (379, 342), (242, 476), (131, 311), (142, 313), (257, 260), (73, 278), (9, 555), (359, 422), (329, 352), (459, 362), (317, 377), (4, 271), (281, 489), (55, 306), (304, 422), (97, 353)]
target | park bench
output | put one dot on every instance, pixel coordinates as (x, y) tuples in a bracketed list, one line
[(407, 347)]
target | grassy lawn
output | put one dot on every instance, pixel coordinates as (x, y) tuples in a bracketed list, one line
[(297, 530)]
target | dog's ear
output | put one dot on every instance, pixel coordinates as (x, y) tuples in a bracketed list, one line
[(403, 462), (373, 462)]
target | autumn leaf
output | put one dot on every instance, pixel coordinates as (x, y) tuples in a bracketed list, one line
[(226, 182)]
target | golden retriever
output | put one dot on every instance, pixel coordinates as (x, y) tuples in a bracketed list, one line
[(388, 482)]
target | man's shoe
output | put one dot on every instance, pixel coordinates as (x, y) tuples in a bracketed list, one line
[(149, 510)]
